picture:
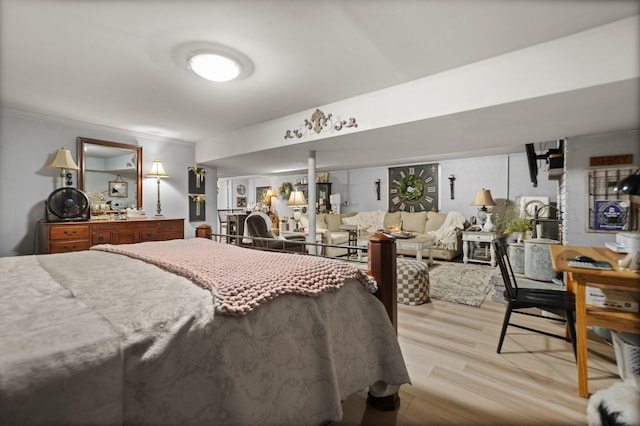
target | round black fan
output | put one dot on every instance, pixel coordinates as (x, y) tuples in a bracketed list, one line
[(68, 204)]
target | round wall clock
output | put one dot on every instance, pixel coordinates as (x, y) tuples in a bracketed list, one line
[(240, 189), (413, 188)]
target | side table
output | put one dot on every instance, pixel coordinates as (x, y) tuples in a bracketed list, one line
[(481, 237), (353, 238)]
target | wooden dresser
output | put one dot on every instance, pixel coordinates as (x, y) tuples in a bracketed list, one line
[(61, 237)]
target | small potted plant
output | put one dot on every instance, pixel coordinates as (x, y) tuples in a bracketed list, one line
[(513, 222)]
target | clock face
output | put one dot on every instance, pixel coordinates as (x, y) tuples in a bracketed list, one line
[(241, 189), (413, 188)]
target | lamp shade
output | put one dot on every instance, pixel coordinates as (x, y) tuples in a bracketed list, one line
[(63, 160), (483, 198), (297, 199), (630, 184), (157, 171)]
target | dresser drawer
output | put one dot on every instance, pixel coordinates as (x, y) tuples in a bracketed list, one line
[(478, 237), (170, 227), (69, 246), (101, 237), (149, 234), (177, 235), (69, 232)]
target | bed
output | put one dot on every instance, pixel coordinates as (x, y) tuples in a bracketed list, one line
[(97, 337)]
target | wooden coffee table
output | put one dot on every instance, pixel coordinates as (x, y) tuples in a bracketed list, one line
[(418, 244)]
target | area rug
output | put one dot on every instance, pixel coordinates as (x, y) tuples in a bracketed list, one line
[(467, 284)]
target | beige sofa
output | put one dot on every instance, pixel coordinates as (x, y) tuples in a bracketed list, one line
[(421, 223)]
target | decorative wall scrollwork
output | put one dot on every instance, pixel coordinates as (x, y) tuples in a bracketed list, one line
[(320, 123)]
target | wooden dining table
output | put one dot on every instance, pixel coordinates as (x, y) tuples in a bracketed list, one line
[(578, 279)]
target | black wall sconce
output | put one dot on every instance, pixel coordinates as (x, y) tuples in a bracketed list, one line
[(452, 179), (376, 188)]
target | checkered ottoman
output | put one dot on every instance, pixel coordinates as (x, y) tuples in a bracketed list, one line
[(413, 281)]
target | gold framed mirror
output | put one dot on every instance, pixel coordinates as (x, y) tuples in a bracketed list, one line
[(103, 162)]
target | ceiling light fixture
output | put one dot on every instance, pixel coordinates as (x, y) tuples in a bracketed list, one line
[(214, 66)]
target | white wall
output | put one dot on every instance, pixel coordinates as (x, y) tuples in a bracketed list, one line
[(579, 150), (27, 144), (507, 177)]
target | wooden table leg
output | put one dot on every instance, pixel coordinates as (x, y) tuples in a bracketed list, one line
[(581, 337)]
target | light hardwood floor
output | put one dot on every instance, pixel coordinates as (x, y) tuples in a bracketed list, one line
[(459, 379)]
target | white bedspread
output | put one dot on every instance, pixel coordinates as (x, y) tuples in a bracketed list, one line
[(94, 337)]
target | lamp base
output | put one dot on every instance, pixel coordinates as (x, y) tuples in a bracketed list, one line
[(488, 225), (482, 215), (297, 215)]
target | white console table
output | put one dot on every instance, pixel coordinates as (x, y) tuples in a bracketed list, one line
[(478, 237)]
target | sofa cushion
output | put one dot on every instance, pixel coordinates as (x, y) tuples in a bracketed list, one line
[(413, 222), (333, 221), (434, 221), (391, 219), (339, 237), (320, 223), (369, 221)]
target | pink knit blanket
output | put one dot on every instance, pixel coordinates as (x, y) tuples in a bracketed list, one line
[(242, 279)]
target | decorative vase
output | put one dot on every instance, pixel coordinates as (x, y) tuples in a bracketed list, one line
[(197, 208), (488, 225)]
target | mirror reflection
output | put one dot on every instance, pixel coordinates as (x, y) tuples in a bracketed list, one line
[(110, 173)]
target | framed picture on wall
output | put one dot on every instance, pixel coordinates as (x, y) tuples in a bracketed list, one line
[(261, 194), (118, 189), (241, 201), (611, 214)]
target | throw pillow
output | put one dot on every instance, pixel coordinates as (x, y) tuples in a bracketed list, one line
[(391, 219), (320, 224), (434, 221), (332, 221), (413, 222), (369, 221)]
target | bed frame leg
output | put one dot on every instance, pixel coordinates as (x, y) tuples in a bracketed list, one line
[(382, 267), (384, 403)]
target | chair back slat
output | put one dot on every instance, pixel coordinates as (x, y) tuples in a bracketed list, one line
[(222, 215), (502, 257)]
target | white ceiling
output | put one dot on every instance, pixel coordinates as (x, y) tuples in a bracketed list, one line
[(121, 64)]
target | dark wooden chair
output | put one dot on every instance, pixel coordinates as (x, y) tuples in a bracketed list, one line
[(264, 239), (559, 302)]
